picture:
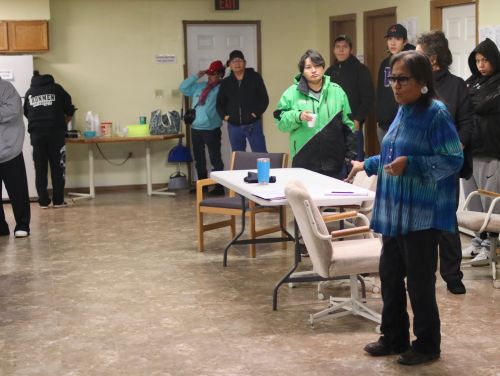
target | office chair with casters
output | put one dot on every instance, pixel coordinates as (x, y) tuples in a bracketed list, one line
[(331, 259), (364, 181), (230, 205), (480, 222)]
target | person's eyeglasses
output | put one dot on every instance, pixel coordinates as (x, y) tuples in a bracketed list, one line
[(402, 80)]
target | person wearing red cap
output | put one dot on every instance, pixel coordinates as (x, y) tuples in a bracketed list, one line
[(205, 130), (386, 106)]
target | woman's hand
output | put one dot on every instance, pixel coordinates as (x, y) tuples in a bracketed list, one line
[(396, 167), (356, 167), (201, 73), (306, 115)]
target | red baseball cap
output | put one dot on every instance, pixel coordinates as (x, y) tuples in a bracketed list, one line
[(215, 67)]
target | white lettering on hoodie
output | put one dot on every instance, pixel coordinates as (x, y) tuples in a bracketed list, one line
[(42, 100)]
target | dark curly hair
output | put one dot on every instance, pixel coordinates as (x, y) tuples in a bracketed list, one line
[(434, 43)]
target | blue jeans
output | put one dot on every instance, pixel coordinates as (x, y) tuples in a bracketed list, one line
[(239, 134)]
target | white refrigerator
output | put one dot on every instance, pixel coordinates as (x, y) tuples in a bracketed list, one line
[(18, 70)]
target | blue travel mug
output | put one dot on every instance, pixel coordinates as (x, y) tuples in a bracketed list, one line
[(263, 166)]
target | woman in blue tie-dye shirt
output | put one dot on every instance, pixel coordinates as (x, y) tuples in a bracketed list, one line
[(415, 200)]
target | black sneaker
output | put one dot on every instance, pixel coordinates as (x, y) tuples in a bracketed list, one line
[(456, 287), (413, 358), (61, 205), (379, 348)]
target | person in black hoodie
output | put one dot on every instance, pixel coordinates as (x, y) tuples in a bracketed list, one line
[(453, 92), (48, 108), (354, 77), (484, 90), (241, 101), (386, 106)]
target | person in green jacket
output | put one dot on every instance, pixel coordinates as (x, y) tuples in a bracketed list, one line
[(316, 113)]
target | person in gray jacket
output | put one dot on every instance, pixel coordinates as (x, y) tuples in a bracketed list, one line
[(12, 168)]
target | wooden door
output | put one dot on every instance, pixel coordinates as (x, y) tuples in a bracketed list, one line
[(376, 23), (344, 24)]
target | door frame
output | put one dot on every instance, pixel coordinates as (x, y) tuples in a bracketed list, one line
[(333, 34), (436, 12)]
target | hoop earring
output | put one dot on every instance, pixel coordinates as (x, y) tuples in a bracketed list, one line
[(424, 90)]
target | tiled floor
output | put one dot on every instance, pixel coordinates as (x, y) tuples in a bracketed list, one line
[(115, 286)]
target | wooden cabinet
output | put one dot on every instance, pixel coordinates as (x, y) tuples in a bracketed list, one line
[(24, 36), (4, 41)]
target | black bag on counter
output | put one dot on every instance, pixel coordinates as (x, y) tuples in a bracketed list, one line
[(169, 123)]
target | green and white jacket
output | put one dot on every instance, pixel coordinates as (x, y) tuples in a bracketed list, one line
[(325, 146)]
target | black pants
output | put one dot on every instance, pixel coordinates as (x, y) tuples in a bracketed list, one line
[(13, 175), (413, 256), (450, 250), (212, 139), (50, 150)]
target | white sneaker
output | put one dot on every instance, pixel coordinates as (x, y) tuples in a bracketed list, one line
[(21, 234), (471, 251), (482, 259)]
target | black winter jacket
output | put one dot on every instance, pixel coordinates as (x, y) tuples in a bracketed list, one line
[(239, 99), (452, 90), (485, 95), (354, 77), (46, 104), (387, 107)]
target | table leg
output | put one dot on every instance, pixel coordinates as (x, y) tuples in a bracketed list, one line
[(91, 194), (91, 172), (233, 241), (148, 169)]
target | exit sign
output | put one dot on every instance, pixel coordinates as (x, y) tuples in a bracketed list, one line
[(227, 4)]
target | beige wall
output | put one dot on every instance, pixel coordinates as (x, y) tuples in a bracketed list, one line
[(488, 11), (24, 10), (103, 52)]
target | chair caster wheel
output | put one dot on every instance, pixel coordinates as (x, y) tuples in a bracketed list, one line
[(291, 285), (321, 296), (496, 284)]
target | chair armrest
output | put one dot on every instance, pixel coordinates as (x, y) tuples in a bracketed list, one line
[(344, 233), (199, 188), (339, 216), (484, 192)]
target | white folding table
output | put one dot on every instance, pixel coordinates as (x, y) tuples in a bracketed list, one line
[(98, 140), (318, 186)]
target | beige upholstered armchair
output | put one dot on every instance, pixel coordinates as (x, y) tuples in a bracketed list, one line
[(331, 258)]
